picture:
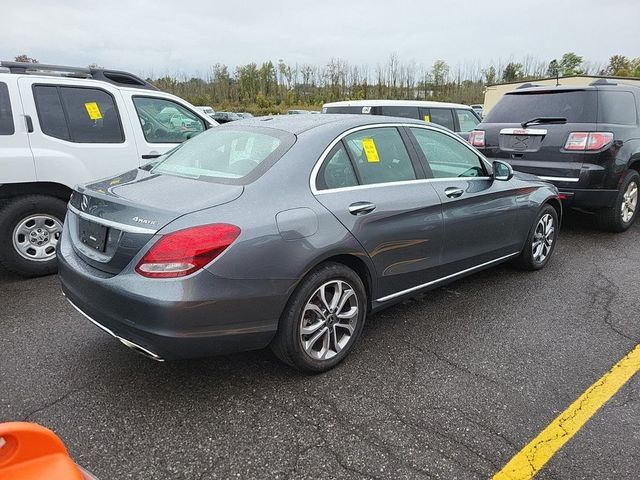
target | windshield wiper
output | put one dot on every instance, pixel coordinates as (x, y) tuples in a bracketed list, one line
[(540, 120)]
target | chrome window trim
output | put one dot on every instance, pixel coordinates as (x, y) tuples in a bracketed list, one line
[(442, 279), (560, 179), (318, 164), (109, 223)]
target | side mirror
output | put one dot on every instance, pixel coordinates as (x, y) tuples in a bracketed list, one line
[(502, 171)]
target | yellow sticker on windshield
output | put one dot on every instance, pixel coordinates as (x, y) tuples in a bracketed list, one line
[(427, 118), (93, 110), (370, 150)]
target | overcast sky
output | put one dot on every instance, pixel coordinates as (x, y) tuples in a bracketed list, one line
[(188, 36)]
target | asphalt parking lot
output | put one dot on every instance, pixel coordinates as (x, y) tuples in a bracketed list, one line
[(450, 385)]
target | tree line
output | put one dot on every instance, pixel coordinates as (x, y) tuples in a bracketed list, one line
[(275, 87)]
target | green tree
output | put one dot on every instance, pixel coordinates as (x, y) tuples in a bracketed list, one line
[(619, 65), (512, 72), (490, 75), (440, 73), (570, 64), (553, 70)]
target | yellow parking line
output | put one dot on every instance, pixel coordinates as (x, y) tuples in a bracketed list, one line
[(528, 461)]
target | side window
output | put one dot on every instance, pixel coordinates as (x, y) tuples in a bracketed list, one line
[(6, 117), (92, 114), (442, 116), (165, 121), (447, 156), (80, 115), (400, 111), (616, 107), (50, 112), (380, 156), (336, 171), (467, 120)]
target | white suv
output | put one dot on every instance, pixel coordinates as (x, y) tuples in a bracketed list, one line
[(60, 126)]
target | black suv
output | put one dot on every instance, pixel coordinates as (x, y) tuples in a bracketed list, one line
[(585, 140)]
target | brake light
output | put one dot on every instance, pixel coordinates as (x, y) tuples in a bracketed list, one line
[(588, 141), (476, 138), (183, 252)]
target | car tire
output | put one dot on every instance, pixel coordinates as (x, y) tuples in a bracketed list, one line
[(541, 241), (620, 217), (30, 228), (307, 309)]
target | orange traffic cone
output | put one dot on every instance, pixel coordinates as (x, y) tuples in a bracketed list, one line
[(31, 452)]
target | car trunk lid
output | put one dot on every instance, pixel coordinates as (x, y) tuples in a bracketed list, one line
[(111, 220)]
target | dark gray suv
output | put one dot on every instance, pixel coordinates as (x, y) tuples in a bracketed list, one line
[(288, 231), (585, 140)]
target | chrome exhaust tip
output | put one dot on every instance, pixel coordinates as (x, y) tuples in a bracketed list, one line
[(141, 350)]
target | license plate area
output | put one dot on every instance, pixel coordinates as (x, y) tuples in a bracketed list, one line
[(93, 235), (521, 139)]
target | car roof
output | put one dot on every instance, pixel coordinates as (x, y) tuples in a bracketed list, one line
[(389, 103), (571, 88), (297, 124)]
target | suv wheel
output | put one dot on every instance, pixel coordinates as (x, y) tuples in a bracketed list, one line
[(541, 241), (621, 216), (30, 228), (323, 319)]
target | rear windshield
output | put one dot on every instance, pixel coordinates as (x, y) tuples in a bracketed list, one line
[(344, 109), (226, 155), (577, 106)]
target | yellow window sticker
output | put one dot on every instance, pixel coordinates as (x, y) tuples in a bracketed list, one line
[(427, 118), (370, 150), (93, 110)]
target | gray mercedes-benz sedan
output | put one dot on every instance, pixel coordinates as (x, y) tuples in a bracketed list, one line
[(288, 231)]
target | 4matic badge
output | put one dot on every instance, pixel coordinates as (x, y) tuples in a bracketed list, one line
[(144, 220)]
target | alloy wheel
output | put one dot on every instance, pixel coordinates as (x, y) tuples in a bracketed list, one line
[(35, 237), (543, 238), (329, 320), (629, 202)]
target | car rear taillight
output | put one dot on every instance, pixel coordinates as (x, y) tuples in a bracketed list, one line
[(476, 138), (183, 252), (588, 141)]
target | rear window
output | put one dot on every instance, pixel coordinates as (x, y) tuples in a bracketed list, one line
[(226, 155), (577, 106), (616, 107), (345, 109), (6, 118)]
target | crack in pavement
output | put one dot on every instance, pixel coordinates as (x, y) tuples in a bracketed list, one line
[(610, 292), (58, 400)]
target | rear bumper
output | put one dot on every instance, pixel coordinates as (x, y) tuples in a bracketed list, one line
[(577, 182), (588, 198), (198, 316)]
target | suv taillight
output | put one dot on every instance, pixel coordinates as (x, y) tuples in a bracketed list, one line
[(183, 252), (588, 141), (476, 138)]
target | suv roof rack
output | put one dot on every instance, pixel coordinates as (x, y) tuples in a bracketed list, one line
[(602, 81), (115, 77)]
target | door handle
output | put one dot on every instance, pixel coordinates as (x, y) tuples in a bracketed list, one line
[(361, 208), (150, 155), (453, 192), (29, 122)]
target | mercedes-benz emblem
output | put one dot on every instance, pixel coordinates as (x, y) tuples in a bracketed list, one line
[(84, 204)]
